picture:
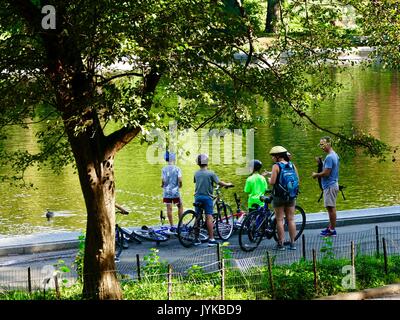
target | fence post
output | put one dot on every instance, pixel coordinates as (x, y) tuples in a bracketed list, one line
[(58, 295), (169, 295), (385, 255), (377, 240), (271, 279), (138, 266), (353, 262), (303, 245), (315, 271), (222, 279), (219, 255), (29, 280)]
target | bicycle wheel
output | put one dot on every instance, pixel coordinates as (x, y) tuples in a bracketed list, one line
[(150, 235), (224, 222), (189, 228), (252, 231), (300, 221)]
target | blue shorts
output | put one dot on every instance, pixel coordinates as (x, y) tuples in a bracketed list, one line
[(207, 204)]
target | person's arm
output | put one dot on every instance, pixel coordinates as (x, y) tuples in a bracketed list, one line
[(274, 175), (179, 178), (324, 173), (162, 183), (247, 187), (180, 182), (297, 173), (266, 173), (326, 170), (220, 182), (225, 184)]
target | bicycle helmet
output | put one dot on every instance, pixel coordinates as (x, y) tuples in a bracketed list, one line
[(277, 150), (255, 165), (202, 159), (169, 156)]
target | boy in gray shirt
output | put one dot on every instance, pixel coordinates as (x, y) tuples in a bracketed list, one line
[(205, 180)]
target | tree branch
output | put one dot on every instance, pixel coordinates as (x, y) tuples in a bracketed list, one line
[(128, 74), (118, 139), (214, 116)]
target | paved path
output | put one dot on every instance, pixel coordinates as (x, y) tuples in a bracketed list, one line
[(14, 264), (68, 240)]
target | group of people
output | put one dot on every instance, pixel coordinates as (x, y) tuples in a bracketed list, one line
[(283, 194)]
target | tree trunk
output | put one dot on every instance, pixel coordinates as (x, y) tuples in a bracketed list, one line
[(96, 175), (272, 14)]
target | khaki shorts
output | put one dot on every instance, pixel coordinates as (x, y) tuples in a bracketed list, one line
[(330, 195)]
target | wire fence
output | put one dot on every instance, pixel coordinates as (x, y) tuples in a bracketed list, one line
[(223, 272)]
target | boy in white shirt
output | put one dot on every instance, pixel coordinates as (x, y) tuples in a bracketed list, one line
[(171, 181)]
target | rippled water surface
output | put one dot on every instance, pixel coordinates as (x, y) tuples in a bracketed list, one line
[(370, 100)]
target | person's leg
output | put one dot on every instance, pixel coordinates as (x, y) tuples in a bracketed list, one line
[(330, 195), (279, 224), (208, 209), (180, 208), (169, 214), (289, 213), (210, 226), (332, 217)]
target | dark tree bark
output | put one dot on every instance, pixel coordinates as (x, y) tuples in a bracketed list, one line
[(93, 152), (96, 176), (272, 14)]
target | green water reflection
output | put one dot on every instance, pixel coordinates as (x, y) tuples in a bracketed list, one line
[(370, 100)]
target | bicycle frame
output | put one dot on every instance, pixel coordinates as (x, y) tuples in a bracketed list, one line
[(122, 235), (261, 223)]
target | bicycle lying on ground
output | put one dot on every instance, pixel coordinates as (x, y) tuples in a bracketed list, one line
[(123, 235), (157, 234), (261, 223), (192, 226)]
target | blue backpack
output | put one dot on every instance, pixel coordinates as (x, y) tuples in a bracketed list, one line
[(288, 182)]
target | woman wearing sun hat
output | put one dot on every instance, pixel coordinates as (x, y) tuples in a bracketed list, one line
[(282, 205)]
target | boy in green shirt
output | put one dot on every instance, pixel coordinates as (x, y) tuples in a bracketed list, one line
[(255, 186)]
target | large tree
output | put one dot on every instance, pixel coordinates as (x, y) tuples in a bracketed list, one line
[(61, 77)]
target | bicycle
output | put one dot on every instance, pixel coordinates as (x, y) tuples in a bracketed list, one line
[(239, 215), (261, 223), (192, 226), (122, 235), (224, 218), (157, 234)]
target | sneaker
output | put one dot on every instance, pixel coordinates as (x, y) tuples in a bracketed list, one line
[(328, 233), (292, 246), (196, 242), (279, 247), (212, 243)]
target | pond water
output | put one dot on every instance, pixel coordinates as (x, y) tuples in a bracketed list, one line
[(370, 100)]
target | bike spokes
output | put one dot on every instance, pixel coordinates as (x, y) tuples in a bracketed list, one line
[(252, 231)]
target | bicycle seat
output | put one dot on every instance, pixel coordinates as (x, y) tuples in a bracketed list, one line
[(198, 205), (266, 199)]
